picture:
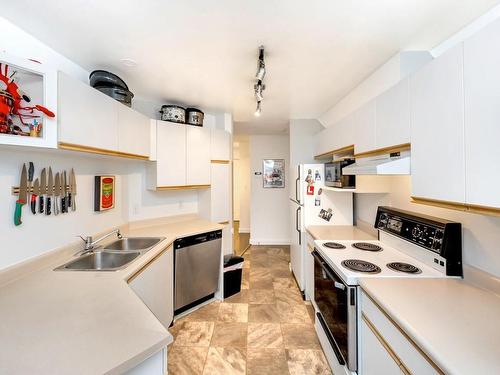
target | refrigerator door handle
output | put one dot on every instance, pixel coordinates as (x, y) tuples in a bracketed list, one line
[(297, 185), (297, 226)]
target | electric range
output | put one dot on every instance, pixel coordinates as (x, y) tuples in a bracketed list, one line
[(409, 245)]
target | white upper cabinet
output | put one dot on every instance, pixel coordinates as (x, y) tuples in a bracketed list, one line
[(133, 131), (220, 192), (364, 128), (170, 168), (197, 155), (87, 117), (437, 129), (220, 145), (482, 116), (393, 116)]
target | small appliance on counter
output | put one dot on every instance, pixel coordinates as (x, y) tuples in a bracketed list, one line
[(111, 85), (334, 176)]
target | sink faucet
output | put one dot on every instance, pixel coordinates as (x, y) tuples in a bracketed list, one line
[(90, 242)]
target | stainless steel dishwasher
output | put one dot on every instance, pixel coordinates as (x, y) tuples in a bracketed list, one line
[(197, 262)]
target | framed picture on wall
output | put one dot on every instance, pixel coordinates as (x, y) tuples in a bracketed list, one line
[(273, 173), (104, 196)]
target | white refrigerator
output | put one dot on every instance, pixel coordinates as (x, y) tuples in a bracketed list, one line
[(311, 204)]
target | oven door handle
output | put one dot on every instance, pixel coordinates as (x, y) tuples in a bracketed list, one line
[(339, 285), (333, 344)]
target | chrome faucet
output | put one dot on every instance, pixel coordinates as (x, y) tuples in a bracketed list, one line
[(90, 242)]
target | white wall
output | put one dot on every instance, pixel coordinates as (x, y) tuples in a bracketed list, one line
[(481, 234), (269, 217), (241, 183), (39, 233)]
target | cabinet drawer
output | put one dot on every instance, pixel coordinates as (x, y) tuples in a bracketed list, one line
[(412, 357)]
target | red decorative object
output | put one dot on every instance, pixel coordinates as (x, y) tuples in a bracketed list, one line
[(104, 197), (16, 95)]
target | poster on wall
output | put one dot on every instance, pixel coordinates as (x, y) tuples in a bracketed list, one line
[(104, 196), (273, 173)]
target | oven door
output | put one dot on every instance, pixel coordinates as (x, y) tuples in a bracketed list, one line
[(336, 303)]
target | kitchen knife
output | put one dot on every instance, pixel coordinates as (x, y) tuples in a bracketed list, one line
[(50, 192), (31, 171), (21, 199), (64, 206), (72, 198), (43, 189), (34, 194), (57, 193)]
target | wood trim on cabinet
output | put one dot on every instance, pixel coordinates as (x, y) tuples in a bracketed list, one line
[(384, 150), (405, 335), (337, 151), (182, 187), (466, 207), (100, 151), (140, 270), (220, 161), (223, 222)]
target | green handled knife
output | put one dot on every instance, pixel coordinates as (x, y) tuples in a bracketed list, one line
[(22, 197)]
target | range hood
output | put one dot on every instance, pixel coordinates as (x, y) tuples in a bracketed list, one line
[(396, 163)]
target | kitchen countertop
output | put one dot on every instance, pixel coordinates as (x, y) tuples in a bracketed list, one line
[(69, 322), (339, 232), (455, 323)]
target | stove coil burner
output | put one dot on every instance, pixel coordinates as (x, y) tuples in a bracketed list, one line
[(404, 267), (360, 266), (334, 245), (366, 246)]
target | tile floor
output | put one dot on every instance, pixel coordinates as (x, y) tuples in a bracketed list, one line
[(265, 329)]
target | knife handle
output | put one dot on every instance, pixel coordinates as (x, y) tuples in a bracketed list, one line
[(73, 204), (56, 205), (47, 211), (69, 200), (40, 207), (33, 204), (63, 204), (18, 212)]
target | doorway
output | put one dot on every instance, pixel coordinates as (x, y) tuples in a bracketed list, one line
[(241, 193)]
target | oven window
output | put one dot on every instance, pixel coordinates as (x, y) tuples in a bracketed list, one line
[(332, 300)]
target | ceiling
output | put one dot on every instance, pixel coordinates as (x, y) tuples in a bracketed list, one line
[(203, 52)]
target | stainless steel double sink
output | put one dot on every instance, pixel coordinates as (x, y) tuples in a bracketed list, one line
[(112, 257)]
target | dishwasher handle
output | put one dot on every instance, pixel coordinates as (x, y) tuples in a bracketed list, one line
[(197, 239)]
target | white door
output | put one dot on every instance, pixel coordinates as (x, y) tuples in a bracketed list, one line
[(197, 155), (296, 242), (393, 116), (170, 154), (482, 114), (86, 117), (133, 131), (437, 129)]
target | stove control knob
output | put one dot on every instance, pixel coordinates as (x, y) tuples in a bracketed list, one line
[(416, 232)]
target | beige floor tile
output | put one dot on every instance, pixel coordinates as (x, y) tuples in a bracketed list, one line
[(300, 336), (266, 362), (263, 313), (261, 296), (246, 264), (229, 335), (227, 361), (260, 261), (264, 335), (281, 272), (284, 283), (290, 296), (187, 333), (233, 312), (262, 283), (310, 311), (293, 313), (207, 313), (186, 360), (307, 362), (241, 297), (259, 273)]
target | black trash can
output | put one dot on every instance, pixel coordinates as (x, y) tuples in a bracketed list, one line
[(233, 267)]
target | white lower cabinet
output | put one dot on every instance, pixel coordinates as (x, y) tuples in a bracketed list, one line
[(376, 359), (154, 285), (154, 365), (385, 349)]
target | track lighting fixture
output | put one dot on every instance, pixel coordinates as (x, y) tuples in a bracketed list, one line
[(259, 86)]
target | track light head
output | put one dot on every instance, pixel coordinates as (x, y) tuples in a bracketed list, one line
[(257, 110)]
